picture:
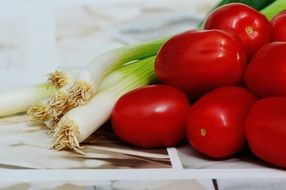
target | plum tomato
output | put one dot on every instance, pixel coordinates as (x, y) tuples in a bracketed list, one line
[(251, 26), (152, 116), (265, 75), (279, 27), (215, 123), (200, 61), (266, 130)]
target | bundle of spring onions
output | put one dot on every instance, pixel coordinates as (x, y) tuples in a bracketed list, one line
[(19, 100), (81, 88), (74, 105), (79, 123)]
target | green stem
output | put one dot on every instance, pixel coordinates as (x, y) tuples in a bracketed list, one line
[(271, 10), (118, 74)]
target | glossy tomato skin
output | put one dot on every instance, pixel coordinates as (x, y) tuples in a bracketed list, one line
[(266, 130), (252, 27), (279, 27), (265, 75), (200, 61), (152, 116), (215, 123)]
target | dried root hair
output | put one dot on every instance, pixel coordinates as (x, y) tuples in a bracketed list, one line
[(58, 104), (66, 136), (58, 79), (38, 113), (80, 93)]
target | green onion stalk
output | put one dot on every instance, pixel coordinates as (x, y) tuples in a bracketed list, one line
[(19, 100), (39, 111), (87, 82), (273, 9), (93, 73), (79, 123), (107, 81)]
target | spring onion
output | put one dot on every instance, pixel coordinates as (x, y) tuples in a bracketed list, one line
[(274, 8), (79, 123), (20, 99), (59, 79), (90, 77), (38, 112), (93, 73), (117, 75), (42, 112)]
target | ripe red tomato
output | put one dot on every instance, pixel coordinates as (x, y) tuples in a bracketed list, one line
[(279, 27), (151, 116), (251, 26), (266, 130), (266, 73), (215, 123), (200, 61)]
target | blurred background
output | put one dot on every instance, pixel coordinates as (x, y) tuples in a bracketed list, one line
[(38, 36)]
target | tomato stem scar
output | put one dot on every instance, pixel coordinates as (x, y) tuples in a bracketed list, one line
[(249, 31), (203, 132)]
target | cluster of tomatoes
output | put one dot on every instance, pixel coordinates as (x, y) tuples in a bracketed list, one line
[(223, 87)]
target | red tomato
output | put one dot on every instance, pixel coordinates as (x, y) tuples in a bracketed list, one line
[(266, 130), (215, 124), (266, 73), (251, 26), (199, 61), (152, 116), (279, 27)]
